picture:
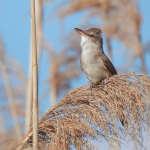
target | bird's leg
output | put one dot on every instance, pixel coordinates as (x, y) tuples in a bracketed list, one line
[(90, 85), (104, 81)]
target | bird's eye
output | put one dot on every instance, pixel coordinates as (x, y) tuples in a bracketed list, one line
[(92, 35)]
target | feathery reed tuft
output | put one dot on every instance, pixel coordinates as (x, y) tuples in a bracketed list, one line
[(83, 115)]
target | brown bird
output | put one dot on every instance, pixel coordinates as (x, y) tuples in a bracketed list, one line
[(94, 63)]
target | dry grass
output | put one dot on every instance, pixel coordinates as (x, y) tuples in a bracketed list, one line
[(9, 143), (83, 115)]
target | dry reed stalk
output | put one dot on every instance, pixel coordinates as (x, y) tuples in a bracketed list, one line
[(24, 141), (141, 55), (2, 128), (34, 77), (39, 21), (10, 93), (39, 14), (8, 143), (107, 23), (29, 96), (83, 114), (53, 94)]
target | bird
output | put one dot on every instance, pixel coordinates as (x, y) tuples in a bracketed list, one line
[(93, 61)]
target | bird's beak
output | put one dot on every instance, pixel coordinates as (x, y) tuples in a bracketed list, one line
[(81, 32)]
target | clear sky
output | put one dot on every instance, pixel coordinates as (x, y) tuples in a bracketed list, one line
[(15, 31)]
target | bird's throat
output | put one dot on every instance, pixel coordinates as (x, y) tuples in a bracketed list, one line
[(89, 47)]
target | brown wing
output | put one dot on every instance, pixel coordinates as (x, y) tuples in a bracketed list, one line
[(108, 64)]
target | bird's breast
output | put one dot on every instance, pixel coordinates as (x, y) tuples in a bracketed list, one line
[(93, 66)]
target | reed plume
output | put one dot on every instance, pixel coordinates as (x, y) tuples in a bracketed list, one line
[(84, 115)]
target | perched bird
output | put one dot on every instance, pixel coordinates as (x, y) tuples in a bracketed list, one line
[(94, 63)]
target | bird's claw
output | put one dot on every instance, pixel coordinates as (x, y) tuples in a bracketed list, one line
[(104, 81)]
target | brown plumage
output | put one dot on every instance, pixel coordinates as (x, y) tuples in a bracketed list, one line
[(111, 69)]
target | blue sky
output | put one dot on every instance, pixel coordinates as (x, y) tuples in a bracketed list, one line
[(15, 27), (15, 31)]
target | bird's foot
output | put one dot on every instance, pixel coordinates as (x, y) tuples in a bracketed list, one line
[(104, 81)]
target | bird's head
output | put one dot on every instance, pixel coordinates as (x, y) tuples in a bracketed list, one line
[(92, 36)]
